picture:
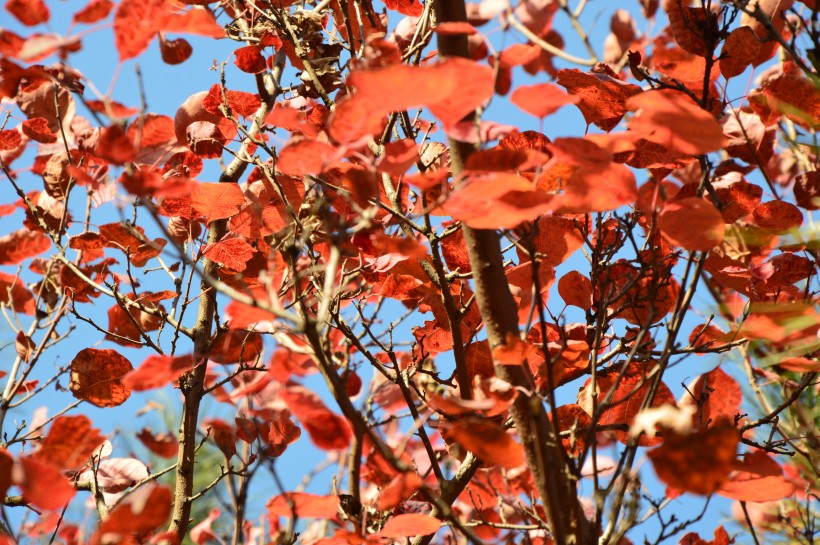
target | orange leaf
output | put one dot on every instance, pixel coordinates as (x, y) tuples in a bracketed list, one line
[(671, 119), (43, 485), (759, 478), (96, 377), (778, 216), (398, 490), (69, 443), (692, 223), (249, 59), (29, 12), (409, 525), (740, 49), (699, 463), (22, 244), (327, 430), (541, 100), (304, 157), (488, 441), (602, 98), (303, 505), (233, 253), (497, 201), (217, 201), (136, 22), (716, 395), (157, 371), (451, 89), (575, 289)]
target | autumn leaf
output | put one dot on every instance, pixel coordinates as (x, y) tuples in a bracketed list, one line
[(602, 99), (70, 442), (164, 445), (249, 59), (692, 223), (699, 463), (671, 119), (326, 429), (303, 505), (157, 371), (758, 478), (541, 100), (497, 201), (575, 289), (488, 441), (233, 253), (217, 201), (409, 525), (97, 377), (22, 244), (42, 484)]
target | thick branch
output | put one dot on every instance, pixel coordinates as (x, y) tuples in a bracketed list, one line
[(545, 454)]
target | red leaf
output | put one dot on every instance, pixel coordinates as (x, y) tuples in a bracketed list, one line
[(303, 505), (398, 490), (794, 96), (96, 10), (136, 22), (688, 26), (541, 100), (157, 371), (451, 89), (175, 51), (759, 478), (28, 12), (198, 21), (240, 102), (602, 98), (405, 7), (10, 139), (164, 445), (115, 146), (42, 484), (142, 511), (692, 223), (716, 395), (282, 433), (576, 289), (409, 525), (97, 377), (233, 253), (112, 109), (69, 443), (37, 128), (304, 157), (699, 463), (217, 201), (22, 244), (778, 216), (24, 346), (806, 190), (629, 393), (327, 430), (671, 119), (488, 441), (497, 201), (249, 59), (740, 50), (14, 294)]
